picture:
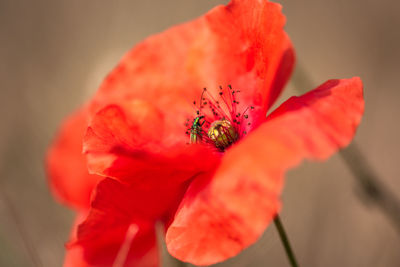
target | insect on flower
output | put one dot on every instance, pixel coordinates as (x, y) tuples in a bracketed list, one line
[(218, 122), (196, 132)]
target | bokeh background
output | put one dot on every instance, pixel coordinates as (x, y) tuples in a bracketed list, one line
[(54, 54)]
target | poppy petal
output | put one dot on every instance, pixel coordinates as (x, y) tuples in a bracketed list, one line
[(74, 256), (130, 246), (223, 214), (126, 246), (242, 44), (128, 142), (69, 178), (332, 113), (117, 207)]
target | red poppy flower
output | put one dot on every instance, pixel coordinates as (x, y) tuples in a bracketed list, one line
[(216, 195)]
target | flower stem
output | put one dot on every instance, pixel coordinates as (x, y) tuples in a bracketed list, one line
[(285, 241)]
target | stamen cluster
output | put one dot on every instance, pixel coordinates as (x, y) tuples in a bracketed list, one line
[(218, 122)]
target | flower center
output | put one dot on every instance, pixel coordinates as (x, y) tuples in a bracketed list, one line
[(222, 133), (218, 125)]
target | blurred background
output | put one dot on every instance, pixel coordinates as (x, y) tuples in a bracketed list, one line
[(54, 54)]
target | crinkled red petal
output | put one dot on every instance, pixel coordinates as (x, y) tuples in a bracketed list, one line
[(69, 178), (127, 142), (119, 246), (74, 256), (330, 116), (242, 44), (115, 208), (227, 211)]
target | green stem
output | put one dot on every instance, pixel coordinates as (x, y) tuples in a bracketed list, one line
[(285, 241)]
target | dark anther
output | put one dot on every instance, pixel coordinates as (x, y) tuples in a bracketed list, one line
[(246, 116), (230, 87), (198, 112), (194, 102), (221, 93)]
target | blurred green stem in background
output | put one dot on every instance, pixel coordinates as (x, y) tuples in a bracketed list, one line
[(285, 241), (370, 186)]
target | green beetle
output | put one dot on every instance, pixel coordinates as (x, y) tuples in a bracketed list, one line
[(196, 131)]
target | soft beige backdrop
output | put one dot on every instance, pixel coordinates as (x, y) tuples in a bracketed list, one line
[(53, 55)]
